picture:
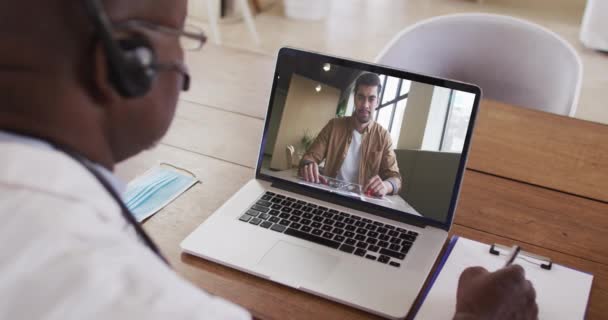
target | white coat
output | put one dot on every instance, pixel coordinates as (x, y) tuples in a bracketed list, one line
[(66, 252)]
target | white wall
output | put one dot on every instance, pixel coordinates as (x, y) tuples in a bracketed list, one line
[(424, 117), (305, 109)]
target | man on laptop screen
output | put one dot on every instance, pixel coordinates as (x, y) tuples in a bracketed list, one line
[(356, 149)]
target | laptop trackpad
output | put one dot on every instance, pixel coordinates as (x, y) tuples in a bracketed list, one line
[(294, 265)]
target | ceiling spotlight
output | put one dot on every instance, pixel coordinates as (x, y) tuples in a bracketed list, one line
[(318, 88), (326, 67)]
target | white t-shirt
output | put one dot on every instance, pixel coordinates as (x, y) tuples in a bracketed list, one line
[(350, 167), (66, 251)]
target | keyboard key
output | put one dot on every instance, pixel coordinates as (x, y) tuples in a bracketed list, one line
[(351, 242), (361, 245), (284, 222), (260, 208), (328, 235), (266, 224), (264, 216), (394, 264), (307, 215), (360, 237), (395, 240), (340, 225), (405, 250), (384, 237), (394, 247), (383, 244), (280, 196), (372, 234), (373, 248), (297, 212), (339, 218), (378, 223), (328, 221), (264, 203), (366, 220), (322, 208), (306, 228), (276, 201), (307, 209), (312, 205), (326, 228), (384, 259), (266, 197), (360, 252), (349, 221), (371, 240), (360, 224), (382, 230), (290, 199), (274, 219), (312, 238), (361, 231), (369, 256), (277, 206), (286, 209), (317, 218), (305, 222), (317, 211), (274, 212), (317, 232), (316, 225), (350, 227), (355, 217), (388, 226), (301, 202), (401, 230), (371, 227), (284, 215), (327, 215), (339, 238), (390, 253), (278, 228), (393, 233), (296, 225), (347, 248), (334, 211), (349, 234), (270, 193), (256, 221), (338, 231), (412, 233), (295, 218), (253, 213), (245, 218)]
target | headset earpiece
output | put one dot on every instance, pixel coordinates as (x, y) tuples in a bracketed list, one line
[(130, 60)]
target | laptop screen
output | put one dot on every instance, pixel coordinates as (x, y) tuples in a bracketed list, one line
[(372, 136)]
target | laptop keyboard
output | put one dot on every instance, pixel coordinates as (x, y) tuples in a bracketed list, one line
[(352, 234)]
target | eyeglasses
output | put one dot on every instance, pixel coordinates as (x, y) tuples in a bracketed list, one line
[(191, 38)]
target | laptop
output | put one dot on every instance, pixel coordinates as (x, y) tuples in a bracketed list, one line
[(369, 246)]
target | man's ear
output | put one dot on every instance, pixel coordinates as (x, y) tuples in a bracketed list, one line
[(106, 91)]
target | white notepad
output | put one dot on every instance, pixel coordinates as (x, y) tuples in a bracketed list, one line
[(562, 293)]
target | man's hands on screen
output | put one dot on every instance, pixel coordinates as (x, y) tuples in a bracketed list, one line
[(310, 173), (376, 187), (504, 294)]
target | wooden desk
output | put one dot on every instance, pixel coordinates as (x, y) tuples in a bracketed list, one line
[(536, 179)]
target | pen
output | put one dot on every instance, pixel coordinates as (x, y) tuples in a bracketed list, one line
[(513, 255)]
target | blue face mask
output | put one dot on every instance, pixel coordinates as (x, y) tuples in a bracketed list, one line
[(155, 189)]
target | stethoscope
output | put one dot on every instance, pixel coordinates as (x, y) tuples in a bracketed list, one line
[(126, 213)]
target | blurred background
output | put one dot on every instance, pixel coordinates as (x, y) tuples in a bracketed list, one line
[(359, 29)]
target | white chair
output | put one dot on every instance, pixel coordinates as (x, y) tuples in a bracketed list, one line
[(512, 60), (213, 14)]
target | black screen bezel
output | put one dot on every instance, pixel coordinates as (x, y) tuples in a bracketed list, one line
[(344, 200)]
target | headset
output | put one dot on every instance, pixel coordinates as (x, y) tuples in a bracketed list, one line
[(131, 60)]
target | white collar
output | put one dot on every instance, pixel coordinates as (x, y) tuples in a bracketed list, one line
[(6, 137)]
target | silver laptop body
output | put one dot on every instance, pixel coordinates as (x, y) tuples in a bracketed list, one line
[(394, 242)]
